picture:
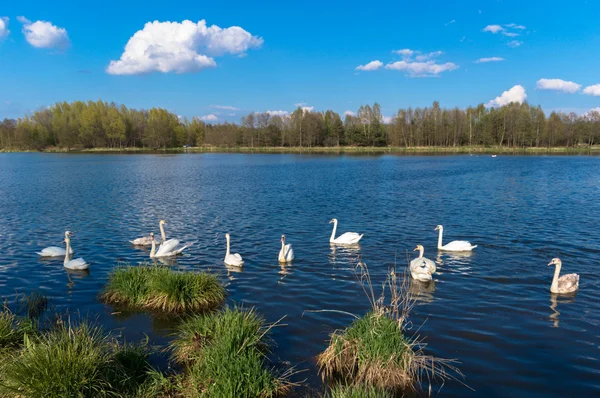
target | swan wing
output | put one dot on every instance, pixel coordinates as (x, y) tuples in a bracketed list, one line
[(569, 282), (419, 270), (458, 245), (289, 252), (77, 264), (348, 238), (54, 251), (144, 241), (234, 259), (179, 250), (167, 247)]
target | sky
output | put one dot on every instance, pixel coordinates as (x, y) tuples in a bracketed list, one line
[(221, 60)]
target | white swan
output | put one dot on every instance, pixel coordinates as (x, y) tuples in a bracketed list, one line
[(286, 254), (166, 249), (147, 240), (564, 284), (454, 246), (421, 268), (54, 251), (349, 238), (235, 259), (75, 264)]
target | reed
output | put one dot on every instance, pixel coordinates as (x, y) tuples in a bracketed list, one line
[(13, 329), (375, 352), (163, 289)]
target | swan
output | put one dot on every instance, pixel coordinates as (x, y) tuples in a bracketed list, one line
[(286, 254), (235, 259), (349, 238), (564, 284), (147, 240), (455, 245), (421, 268), (166, 249), (54, 251), (75, 264)]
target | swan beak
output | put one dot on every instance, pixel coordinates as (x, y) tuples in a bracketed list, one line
[(551, 263), (415, 249)]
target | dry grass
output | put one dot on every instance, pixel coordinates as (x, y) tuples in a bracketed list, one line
[(374, 351)]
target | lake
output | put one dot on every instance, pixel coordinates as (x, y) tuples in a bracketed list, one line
[(491, 310)]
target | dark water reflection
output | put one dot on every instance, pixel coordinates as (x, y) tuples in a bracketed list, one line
[(492, 309)]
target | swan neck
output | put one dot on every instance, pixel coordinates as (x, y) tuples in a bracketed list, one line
[(440, 238), (162, 232), (421, 251), (334, 230), (153, 250), (554, 286), (227, 253), (68, 242)]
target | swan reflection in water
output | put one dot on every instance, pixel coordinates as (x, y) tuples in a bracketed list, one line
[(555, 299), (421, 292), (168, 261), (347, 254), (459, 261), (232, 270), (75, 274), (285, 270)]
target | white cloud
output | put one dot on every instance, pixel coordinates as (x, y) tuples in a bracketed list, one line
[(490, 59), (4, 27), (592, 90), (425, 57), (558, 85), (225, 107), (404, 52), (597, 110), (308, 109), (278, 113), (510, 34), (421, 69), (373, 65), (180, 47), (42, 34), (514, 43), (450, 23), (299, 104), (386, 119), (515, 26), (349, 113), (493, 29), (515, 94), (209, 118)]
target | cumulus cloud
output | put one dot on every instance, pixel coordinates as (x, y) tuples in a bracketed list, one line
[(225, 107), (386, 119), (373, 65), (490, 59), (493, 29), (42, 34), (421, 69), (308, 109), (209, 118), (349, 113), (406, 52), (300, 104), (597, 110), (514, 43), (4, 27), (427, 56), (515, 94), (278, 113), (515, 26), (510, 34), (592, 90), (180, 47), (558, 85)]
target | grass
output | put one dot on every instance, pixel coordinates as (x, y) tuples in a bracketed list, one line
[(374, 352), (13, 329), (224, 355), (163, 289), (342, 391), (74, 360)]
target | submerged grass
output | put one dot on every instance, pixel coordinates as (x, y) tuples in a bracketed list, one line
[(225, 356), (374, 354), (162, 289)]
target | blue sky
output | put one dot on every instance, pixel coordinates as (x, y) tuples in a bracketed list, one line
[(285, 54)]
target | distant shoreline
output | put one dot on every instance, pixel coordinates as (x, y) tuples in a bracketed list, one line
[(333, 150)]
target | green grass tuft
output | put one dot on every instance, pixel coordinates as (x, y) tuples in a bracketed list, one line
[(13, 329), (162, 289), (341, 391)]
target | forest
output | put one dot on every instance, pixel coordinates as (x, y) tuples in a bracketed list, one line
[(82, 125)]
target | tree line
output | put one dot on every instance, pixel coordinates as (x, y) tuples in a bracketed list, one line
[(105, 125)]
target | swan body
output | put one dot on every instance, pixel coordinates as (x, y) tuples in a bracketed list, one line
[(454, 246), (421, 268), (77, 263), (168, 248), (563, 284), (234, 260), (286, 254), (147, 240), (349, 238), (54, 251)]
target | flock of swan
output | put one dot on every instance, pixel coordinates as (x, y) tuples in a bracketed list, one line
[(421, 268)]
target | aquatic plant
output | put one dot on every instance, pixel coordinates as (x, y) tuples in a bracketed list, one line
[(344, 391), (375, 351), (163, 289), (225, 356)]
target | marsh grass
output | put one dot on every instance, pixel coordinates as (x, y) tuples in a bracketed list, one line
[(225, 356), (74, 360), (343, 391), (163, 289), (375, 351)]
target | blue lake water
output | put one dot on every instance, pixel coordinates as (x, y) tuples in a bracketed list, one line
[(491, 310)]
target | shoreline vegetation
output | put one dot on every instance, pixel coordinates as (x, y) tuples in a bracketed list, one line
[(582, 149)]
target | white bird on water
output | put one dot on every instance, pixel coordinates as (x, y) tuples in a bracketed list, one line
[(166, 249), (235, 259), (286, 254), (454, 246), (349, 238), (75, 264), (563, 284), (54, 251), (421, 268), (147, 240)]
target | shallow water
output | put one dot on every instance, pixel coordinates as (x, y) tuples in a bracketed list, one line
[(491, 310)]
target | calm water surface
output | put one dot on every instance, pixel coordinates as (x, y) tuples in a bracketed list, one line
[(491, 310)]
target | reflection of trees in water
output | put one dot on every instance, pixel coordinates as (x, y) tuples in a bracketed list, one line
[(555, 299)]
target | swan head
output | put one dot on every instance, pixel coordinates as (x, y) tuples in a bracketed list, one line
[(555, 261), (333, 220), (152, 235), (439, 227), (283, 238), (162, 222), (419, 247), (227, 236)]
